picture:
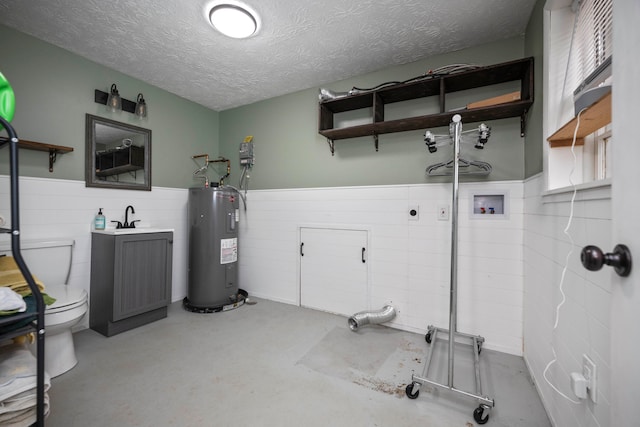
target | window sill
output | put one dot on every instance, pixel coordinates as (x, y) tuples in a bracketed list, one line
[(592, 118), (594, 190)]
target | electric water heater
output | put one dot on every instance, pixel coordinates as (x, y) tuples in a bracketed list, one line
[(213, 247)]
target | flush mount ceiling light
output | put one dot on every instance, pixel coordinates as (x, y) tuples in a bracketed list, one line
[(234, 20)]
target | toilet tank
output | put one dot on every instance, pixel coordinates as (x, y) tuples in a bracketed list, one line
[(48, 260)]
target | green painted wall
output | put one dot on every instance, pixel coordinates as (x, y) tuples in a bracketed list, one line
[(534, 46), (54, 90), (291, 154)]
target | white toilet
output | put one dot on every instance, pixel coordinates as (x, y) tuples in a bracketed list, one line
[(50, 262)]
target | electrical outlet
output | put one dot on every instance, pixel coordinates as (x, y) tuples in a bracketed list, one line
[(443, 213), (590, 374)]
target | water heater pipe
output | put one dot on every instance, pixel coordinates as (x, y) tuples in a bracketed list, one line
[(206, 165), (223, 160), (364, 318)]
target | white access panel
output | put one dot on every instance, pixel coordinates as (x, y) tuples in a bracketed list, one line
[(333, 270)]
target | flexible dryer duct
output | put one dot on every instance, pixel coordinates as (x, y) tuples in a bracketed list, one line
[(364, 318)]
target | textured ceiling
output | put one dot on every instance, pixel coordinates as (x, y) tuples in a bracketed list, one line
[(302, 43)]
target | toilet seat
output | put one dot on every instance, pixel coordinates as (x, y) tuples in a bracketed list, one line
[(67, 297)]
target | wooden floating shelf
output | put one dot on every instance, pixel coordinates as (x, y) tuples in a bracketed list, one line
[(593, 118), (52, 149)]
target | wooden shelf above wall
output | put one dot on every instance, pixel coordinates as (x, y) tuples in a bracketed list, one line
[(52, 149), (593, 118), (438, 87)]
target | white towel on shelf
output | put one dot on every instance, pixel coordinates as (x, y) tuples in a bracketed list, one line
[(17, 370), (22, 411), (11, 300), (18, 377)]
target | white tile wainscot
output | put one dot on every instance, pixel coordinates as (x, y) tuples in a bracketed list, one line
[(584, 322), (409, 259), (56, 208)]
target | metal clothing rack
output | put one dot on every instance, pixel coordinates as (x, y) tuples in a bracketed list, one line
[(35, 320), (481, 413)]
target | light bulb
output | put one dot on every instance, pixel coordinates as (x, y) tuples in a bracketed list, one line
[(114, 102)]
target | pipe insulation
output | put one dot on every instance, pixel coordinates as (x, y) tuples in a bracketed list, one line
[(364, 318)]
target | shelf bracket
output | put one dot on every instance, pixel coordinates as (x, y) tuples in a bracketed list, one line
[(53, 150), (53, 155), (523, 123), (375, 141), (331, 146)]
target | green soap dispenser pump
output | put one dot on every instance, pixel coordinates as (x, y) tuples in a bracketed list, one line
[(100, 221)]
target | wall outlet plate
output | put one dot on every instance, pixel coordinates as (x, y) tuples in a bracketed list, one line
[(590, 373)]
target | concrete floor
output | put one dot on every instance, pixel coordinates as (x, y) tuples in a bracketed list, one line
[(274, 364)]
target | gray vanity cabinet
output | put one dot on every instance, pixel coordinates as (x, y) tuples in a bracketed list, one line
[(130, 280)]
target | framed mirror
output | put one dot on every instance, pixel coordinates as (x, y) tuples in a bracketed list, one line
[(118, 155)]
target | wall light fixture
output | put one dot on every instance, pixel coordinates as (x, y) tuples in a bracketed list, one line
[(141, 106), (114, 102)]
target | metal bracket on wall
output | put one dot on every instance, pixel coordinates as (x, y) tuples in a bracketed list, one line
[(331, 146), (331, 143), (523, 123), (53, 154)]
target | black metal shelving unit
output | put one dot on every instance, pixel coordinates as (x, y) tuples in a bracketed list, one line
[(30, 321)]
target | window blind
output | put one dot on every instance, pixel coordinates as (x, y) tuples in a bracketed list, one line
[(592, 43)]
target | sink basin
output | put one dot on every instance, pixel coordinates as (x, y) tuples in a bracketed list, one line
[(119, 231)]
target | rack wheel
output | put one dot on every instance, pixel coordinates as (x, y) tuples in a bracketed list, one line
[(410, 393), (479, 412), (427, 337)]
